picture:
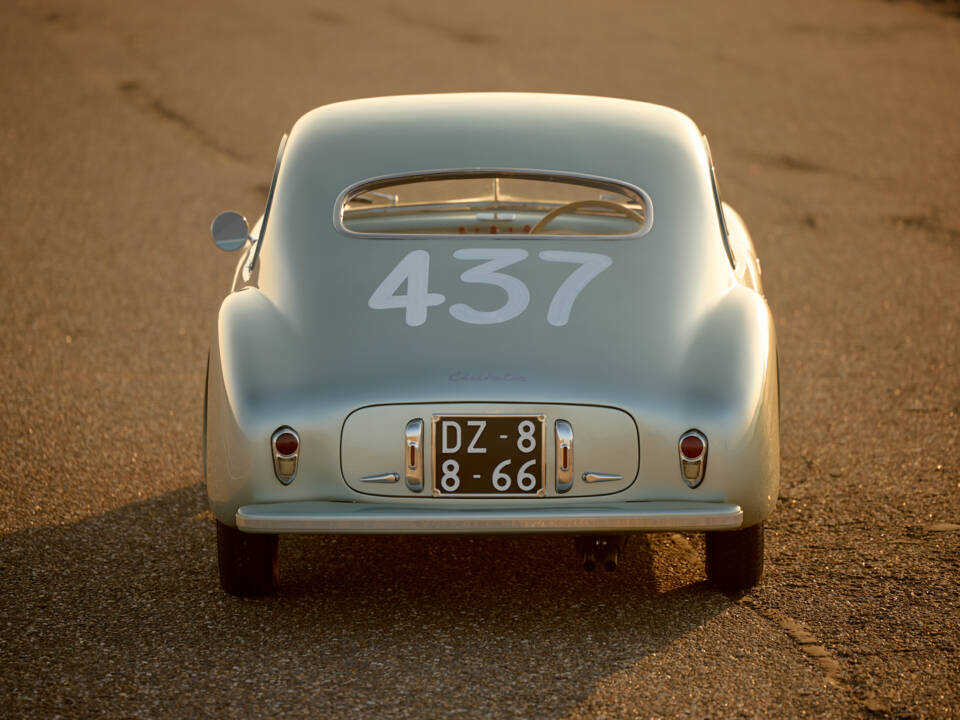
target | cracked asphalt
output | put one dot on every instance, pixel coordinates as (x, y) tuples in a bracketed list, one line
[(125, 127)]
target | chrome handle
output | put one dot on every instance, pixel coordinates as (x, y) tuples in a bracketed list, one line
[(385, 478), (564, 448), (595, 477), (413, 455)]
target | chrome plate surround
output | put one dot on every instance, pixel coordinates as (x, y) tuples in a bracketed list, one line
[(468, 438)]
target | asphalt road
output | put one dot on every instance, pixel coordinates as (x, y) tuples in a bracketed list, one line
[(125, 127)]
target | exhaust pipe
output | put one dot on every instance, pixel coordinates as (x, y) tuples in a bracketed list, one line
[(587, 549), (600, 550), (611, 557), (589, 561)]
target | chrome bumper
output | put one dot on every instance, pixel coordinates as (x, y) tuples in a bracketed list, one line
[(378, 519)]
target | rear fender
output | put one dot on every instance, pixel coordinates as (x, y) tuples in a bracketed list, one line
[(731, 385)]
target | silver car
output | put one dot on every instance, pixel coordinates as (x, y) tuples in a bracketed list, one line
[(492, 313)]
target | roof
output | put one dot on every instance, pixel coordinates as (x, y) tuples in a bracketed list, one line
[(623, 139), (655, 148)]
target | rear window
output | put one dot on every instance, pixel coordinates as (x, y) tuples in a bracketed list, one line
[(492, 203)]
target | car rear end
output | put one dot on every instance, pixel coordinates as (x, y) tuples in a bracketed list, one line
[(459, 371)]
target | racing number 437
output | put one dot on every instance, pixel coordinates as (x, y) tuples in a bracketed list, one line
[(414, 270)]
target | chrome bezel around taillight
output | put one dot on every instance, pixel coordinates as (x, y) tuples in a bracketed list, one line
[(692, 469), (285, 465)]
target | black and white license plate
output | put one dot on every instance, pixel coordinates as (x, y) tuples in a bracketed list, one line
[(488, 455)]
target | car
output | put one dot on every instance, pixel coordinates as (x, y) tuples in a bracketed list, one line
[(492, 313)]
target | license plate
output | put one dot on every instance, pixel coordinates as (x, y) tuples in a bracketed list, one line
[(488, 455)]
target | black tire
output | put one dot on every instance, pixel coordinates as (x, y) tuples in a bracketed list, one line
[(248, 562), (735, 558)]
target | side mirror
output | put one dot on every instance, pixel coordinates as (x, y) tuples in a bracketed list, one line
[(229, 230)]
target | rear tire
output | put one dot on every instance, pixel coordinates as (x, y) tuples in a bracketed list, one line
[(735, 558), (248, 562)]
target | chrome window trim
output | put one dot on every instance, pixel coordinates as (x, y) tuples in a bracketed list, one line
[(248, 270), (466, 205), (719, 203), (600, 181)]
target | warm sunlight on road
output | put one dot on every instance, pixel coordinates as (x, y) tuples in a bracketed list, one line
[(125, 127)]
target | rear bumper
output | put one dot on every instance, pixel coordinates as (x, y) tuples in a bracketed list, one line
[(377, 519)]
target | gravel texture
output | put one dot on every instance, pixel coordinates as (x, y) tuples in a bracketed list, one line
[(125, 127)]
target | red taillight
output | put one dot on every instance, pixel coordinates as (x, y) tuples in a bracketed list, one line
[(692, 447), (286, 443), (693, 457), (286, 453)]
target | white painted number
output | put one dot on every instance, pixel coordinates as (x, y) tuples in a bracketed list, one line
[(591, 265), (526, 442), (518, 296), (414, 270), (501, 481), (526, 481), (450, 480)]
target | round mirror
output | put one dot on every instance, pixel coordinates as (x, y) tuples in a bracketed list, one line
[(229, 230)]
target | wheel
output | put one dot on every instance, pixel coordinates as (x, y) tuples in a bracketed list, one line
[(735, 557), (248, 562)]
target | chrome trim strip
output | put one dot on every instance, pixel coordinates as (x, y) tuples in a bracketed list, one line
[(413, 442), (724, 230), (600, 181), (564, 441), (372, 518), (385, 478), (248, 270), (441, 208), (595, 477)]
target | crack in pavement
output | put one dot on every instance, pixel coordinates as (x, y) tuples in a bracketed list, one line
[(806, 641), (810, 645), (449, 32), (144, 100)]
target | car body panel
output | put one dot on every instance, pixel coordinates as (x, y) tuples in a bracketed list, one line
[(746, 262), (605, 441), (670, 335)]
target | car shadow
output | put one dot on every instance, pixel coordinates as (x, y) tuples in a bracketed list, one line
[(121, 614)]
